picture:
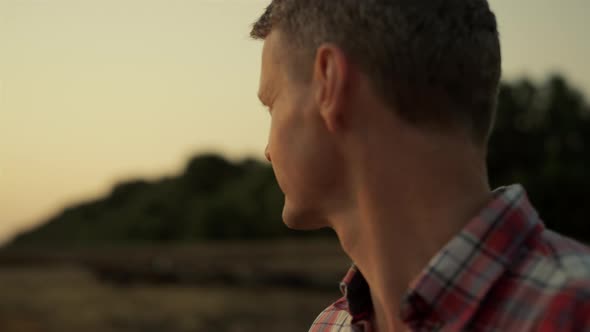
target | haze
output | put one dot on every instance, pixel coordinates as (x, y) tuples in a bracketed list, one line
[(94, 92)]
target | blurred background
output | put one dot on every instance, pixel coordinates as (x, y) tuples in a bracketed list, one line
[(133, 195)]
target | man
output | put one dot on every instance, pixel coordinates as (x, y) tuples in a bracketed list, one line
[(381, 113)]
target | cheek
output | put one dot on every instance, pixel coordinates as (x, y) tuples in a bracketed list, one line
[(324, 166), (278, 149), (307, 165), (283, 134)]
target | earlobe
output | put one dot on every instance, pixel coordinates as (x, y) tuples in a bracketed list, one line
[(330, 76)]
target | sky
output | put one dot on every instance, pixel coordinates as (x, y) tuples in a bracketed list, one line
[(95, 92)]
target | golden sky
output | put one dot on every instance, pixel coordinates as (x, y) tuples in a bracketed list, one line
[(96, 91)]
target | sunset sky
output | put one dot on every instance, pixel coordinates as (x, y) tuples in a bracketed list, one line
[(94, 92)]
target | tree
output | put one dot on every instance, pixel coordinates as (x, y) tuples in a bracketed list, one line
[(540, 141)]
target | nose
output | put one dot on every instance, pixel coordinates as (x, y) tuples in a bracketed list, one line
[(267, 154)]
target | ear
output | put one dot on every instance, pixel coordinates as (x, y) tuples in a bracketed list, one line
[(330, 83)]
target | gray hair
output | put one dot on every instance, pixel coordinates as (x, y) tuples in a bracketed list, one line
[(437, 62)]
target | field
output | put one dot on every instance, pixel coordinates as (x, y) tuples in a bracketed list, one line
[(241, 287)]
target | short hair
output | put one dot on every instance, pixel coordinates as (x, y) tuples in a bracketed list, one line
[(437, 62)]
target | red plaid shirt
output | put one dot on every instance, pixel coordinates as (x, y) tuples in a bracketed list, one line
[(504, 272)]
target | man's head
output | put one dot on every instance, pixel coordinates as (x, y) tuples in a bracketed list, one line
[(435, 64)]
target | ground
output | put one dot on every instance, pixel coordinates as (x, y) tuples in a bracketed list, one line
[(279, 286)]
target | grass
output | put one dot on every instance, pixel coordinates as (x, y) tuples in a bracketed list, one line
[(63, 292)]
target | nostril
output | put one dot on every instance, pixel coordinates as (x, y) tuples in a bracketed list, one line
[(267, 154)]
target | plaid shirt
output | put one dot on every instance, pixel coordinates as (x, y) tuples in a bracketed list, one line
[(503, 272)]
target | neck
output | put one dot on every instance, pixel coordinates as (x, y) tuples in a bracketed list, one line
[(405, 212)]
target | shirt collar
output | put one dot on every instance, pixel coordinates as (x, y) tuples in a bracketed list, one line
[(462, 272), (458, 277), (358, 295)]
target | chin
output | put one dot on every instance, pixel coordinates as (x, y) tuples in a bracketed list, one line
[(303, 219)]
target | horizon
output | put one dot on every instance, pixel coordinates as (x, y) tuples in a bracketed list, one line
[(92, 94)]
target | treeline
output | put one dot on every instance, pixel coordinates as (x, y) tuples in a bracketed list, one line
[(212, 199), (540, 141)]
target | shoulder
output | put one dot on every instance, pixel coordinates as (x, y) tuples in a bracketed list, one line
[(556, 261), (546, 287), (568, 309), (554, 282)]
